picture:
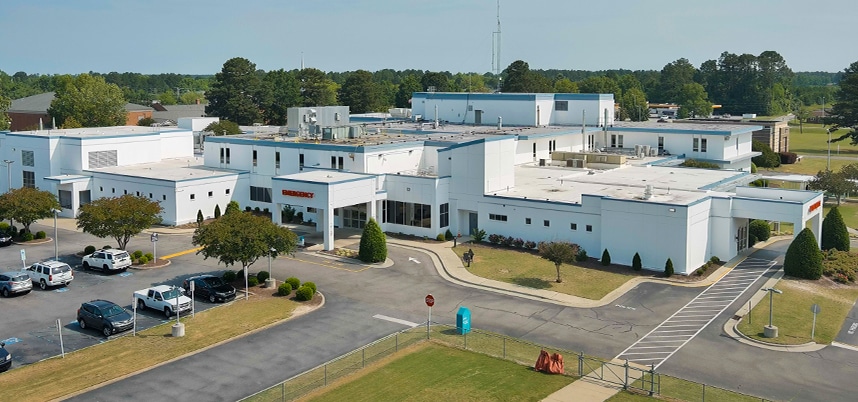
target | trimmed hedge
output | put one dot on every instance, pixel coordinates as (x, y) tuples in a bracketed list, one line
[(294, 282), (304, 293), (143, 260), (261, 276), (136, 254), (834, 232), (310, 285), (252, 281), (803, 258), (788, 158), (89, 249), (448, 235), (41, 234), (373, 244), (759, 229), (285, 289), (229, 276)]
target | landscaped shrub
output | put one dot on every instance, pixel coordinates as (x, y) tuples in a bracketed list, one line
[(840, 263), (752, 239), (637, 265), (788, 158), (257, 210), (27, 236), (529, 244), (495, 238), (606, 257), (262, 276), (285, 289), (229, 276), (231, 207), (478, 235), (265, 211), (440, 237), (4, 226), (200, 217), (715, 259), (668, 268), (107, 247), (294, 282), (448, 235), (299, 216), (581, 256), (760, 229), (310, 285), (693, 163), (89, 249), (753, 168), (217, 211), (149, 256), (41, 234), (304, 293), (803, 258), (518, 242), (143, 260), (700, 271), (768, 159), (373, 244), (248, 209), (252, 281), (834, 232), (137, 254), (507, 241)]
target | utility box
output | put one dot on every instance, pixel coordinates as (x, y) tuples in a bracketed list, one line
[(463, 320)]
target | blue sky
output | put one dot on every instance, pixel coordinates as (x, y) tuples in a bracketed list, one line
[(198, 36)]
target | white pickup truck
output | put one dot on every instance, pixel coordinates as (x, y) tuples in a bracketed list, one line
[(163, 298)]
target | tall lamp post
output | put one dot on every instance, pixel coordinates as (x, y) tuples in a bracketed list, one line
[(9, 172), (269, 283), (771, 331), (56, 244)]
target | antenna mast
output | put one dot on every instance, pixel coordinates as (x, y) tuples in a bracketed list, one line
[(496, 47)]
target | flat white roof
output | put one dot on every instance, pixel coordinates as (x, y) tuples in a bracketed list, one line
[(176, 169), (324, 176), (91, 132), (671, 185)]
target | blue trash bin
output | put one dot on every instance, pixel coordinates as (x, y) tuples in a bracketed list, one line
[(463, 320)]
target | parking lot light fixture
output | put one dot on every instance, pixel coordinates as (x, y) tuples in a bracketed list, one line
[(772, 292), (56, 244)]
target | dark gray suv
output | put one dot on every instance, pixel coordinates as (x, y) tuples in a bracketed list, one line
[(5, 358), (105, 316)]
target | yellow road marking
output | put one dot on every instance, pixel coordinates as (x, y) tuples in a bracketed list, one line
[(180, 253)]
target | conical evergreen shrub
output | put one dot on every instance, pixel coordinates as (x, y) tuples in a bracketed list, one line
[(834, 232), (803, 258), (373, 244), (637, 265), (606, 257), (668, 268)]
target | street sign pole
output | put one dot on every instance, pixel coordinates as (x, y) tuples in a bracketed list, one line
[(24, 257), (134, 321), (815, 309), (154, 239), (193, 300), (430, 301)]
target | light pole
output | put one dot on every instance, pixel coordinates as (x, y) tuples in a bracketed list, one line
[(56, 244), (9, 172), (770, 331), (270, 281)]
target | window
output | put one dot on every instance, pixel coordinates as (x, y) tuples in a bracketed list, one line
[(589, 228), (573, 226), (613, 140), (227, 155), (261, 194), (406, 213), (695, 145), (703, 145), (340, 163), (534, 150), (546, 223), (193, 197), (444, 215), (312, 210), (226, 191), (561, 106), (101, 189), (150, 195), (113, 190), (620, 141), (660, 144), (300, 161), (333, 162), (221, 155), (496, 217), (27, 158), (527, 221), (124, 191), (29, 179), (138, 193), (84, 197), (211, 194), (277, 160), (164, 197), (254, 158), (65, 198)]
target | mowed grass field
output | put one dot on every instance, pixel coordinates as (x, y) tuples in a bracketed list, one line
[(431, 372), (792, 313), (814, 140), (531, 270)]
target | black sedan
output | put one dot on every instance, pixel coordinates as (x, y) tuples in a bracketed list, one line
[(5, 358), (210, 287), (104, 315)]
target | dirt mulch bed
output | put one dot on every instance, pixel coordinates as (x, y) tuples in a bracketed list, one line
[(260, 291)]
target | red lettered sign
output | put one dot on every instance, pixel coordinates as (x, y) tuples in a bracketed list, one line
[(814, 206), (430, 300), (295, 193)]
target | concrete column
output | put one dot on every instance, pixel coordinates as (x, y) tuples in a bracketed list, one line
[(816, 227), (372, 211), (277, 214), (326, 217)]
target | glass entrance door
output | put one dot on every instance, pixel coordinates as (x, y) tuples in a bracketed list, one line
[(354, 216)]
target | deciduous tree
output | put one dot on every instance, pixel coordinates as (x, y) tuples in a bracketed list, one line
[(316, 88), (409, 85), (89, 101), (360, 93), (693, 101), (286, 93), (119, 217), (558, 253), (5, 103), (834, 184), (223, 127), (27, 205)]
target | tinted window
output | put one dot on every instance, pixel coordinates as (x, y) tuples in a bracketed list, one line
[(21, 277), (61, 269), (119, 256), (4, 278), (113, 310), (213, 281), (170, 294)]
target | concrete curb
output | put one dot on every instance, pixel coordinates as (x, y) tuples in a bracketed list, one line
[(113, 380)]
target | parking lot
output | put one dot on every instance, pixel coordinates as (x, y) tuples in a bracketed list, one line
[(28, 323)]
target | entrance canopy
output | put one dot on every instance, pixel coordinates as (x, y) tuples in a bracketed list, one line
[(326, 190), (781, 205)]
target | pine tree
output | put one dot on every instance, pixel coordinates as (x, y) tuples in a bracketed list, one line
[(232, 207), (803, 258), (217, 211), (200, 218), (834, 232), (668, 268), (606, 257), (373, 244), (637, 265)]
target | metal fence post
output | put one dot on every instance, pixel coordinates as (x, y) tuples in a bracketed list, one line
[(626, 382), (326, 374), (704, 392), (397, 342), (504, 347), (651, 379), (465, 335), (283, 393), (581, 364), (363, 358)]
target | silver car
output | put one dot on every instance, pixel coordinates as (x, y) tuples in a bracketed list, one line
[(15, 282)]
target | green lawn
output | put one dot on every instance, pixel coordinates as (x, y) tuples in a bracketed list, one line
[(809, 166), (815, 141), (792, 313), (530, 270), (432, 372), (849, 211)]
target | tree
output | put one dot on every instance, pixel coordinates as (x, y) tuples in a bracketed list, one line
[(637, 265), (844, 114), (834, 184), (834, 232), (373, 244), (316, 88), (693, 101), (668, 268), (5, 103), (802, 113), (759, 229), (768, 158), (89, 101), (200, 218), (223, 127), (243, 238), (286, 93), (237, 93), (360, 93), (599, 85), (439, 81), (558, 253), (606, 258), (803, 258), (565, 86), (633, 106), (119, 217), (231, 207), (27, 205), (409, 85), (674, 76), (217, 211), (146, 122)]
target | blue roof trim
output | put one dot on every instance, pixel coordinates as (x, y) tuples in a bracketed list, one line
[(723, 181), (313, 146), (576, 97), (473, 96), (558, 133), (478, 141), (748, 129)]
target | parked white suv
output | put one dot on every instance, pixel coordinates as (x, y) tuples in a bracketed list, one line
[(108, 260), (50, 273)]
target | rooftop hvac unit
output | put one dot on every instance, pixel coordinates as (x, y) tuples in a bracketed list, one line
[(646, 149), (638, 149), (653, 152), (575, 163), (648, 192)]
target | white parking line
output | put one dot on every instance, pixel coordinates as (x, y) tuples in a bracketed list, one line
[(396, 320)]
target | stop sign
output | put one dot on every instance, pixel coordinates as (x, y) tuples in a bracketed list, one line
[(430, 300)]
